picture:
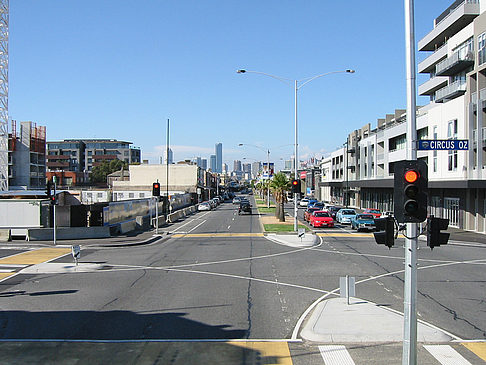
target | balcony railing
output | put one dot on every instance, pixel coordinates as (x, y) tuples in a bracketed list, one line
[(449, 11), (454, 64), (450, 91)]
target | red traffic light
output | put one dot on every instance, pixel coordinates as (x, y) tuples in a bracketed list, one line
[(411, 176), (295, 182), (156, 185)]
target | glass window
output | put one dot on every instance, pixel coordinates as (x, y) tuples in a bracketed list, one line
[(131, 195), (482, 48), (99, 195)]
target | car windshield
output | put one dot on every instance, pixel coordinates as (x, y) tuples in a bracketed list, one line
[(373, 211), (348, 212), (365, 216), (323, 214)]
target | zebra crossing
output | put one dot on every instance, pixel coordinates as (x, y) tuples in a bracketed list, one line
[(366, 354)]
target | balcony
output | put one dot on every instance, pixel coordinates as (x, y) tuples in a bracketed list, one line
[(431, 86), (454, 64), (57, 165), (455, 18), (104, 157), (58, 157), (483, 136), (428, 65), (451, 91)]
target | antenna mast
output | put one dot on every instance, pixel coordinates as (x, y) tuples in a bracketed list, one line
[(4, 12)]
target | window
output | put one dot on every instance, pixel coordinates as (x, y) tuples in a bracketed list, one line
[(482, 48), (131, 195), (99, 195), (397, 143)]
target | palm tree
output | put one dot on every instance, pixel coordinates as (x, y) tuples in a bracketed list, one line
[(280, 185)]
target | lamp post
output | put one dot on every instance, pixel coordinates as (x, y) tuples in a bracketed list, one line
[(268, 167), (296, 87)]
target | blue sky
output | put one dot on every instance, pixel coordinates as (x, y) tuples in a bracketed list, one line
[(120, 69)]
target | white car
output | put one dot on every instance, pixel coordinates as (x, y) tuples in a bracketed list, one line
[(303, 202), (204, 206)]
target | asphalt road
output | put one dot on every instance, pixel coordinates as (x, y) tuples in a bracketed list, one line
[(218, 278)]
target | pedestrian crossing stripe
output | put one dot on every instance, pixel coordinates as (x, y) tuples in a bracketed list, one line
[(335, 355), (446, 355), (36, 256), (215, 235), (277, 353), (479, 348), (332, 234)]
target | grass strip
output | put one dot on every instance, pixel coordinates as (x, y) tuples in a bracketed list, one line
[(266, 210), (282, 227)]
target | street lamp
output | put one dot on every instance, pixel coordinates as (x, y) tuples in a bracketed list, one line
[(268, 167), (296, 87)]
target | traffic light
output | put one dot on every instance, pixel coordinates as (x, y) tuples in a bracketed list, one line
[(48, 189), (410, 191), (434, 235), (53, 199), (386, 231), (156, 189), (295, 186)]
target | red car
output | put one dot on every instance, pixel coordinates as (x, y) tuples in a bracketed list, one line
[(374, 212), (321, 218), (308, 212)]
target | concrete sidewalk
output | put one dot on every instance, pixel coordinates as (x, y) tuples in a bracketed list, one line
[(334, 321)]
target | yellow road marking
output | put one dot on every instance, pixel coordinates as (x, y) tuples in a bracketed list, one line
[(4, 275), (277, 353), (325, 234), (178, 235), (36, 256), (479, 348)]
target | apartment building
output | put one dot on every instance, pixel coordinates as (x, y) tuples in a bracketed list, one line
[(27, 156), (71, 160), (362, 171)]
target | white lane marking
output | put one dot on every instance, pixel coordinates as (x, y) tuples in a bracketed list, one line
[(228, 227), (335, 355), (151, 340), (192, 220), (193, 228), (446, 355), (334, 292)]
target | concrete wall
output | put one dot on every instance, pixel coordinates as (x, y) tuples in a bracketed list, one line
[(72, 233)]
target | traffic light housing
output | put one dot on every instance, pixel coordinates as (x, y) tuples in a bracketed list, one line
[(48, 189), (386, 231), (410, 191), (53, 199), (156, 189), (295, 186), (434, 235)]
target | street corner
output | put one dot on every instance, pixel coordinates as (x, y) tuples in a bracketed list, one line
[(293, 240), (336, 321)]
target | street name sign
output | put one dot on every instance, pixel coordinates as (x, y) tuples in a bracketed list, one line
[(443, 145)]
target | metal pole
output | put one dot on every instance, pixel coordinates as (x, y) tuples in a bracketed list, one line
[(54, 213), (167, 173), (296, 163), (347, 179), (410, 290), (156, 216), (268, 171)]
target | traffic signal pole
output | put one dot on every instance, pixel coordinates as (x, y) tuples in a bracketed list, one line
[(409, 355)]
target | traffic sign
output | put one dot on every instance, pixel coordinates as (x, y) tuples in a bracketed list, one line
[(443, 144)]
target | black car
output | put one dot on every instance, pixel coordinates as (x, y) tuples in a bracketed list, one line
[(245, 207), (333, 210)]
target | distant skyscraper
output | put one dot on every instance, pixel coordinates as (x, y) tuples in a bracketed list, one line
[(236, 165), (247, 167), (225, 168), (199, 161), (204, 164), (219, 157), (256, 167), (171, 157), (212, 163)]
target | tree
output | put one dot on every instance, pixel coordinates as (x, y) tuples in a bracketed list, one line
[(280, 185), (100, 172)]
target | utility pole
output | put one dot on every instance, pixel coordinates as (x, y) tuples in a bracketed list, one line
[(167, 173), (409, 355), (4, 29)]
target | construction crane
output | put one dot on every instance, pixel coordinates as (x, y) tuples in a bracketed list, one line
[(4, 13)]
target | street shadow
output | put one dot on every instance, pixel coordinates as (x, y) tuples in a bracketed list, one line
[(40, 293), (109, 325)]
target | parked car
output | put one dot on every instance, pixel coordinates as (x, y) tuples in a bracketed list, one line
[(204, 206), (212, 203), (303, 202), (308, 212), (376, 213), (321, 218), (363, 222), (245, 207), (345, 215), (333, 209)]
